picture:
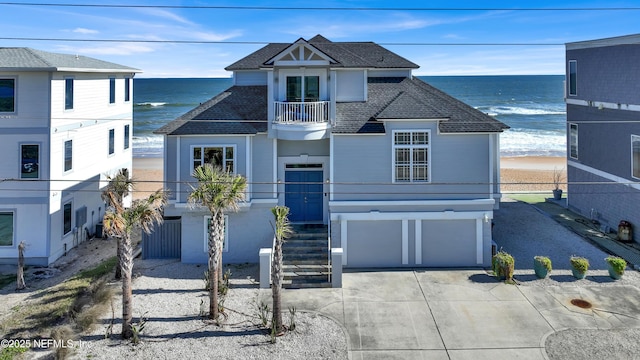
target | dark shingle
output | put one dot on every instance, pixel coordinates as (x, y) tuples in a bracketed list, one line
[(404, 98), (346, 54), (237, 110)]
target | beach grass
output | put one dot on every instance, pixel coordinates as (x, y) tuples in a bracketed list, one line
[(53, 305)]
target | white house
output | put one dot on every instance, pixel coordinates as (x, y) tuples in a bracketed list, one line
[(399, 173), (65, 122)]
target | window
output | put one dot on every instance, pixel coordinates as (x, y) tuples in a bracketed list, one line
[(66, 218), (7, 95), (30, 161), (411, 156), (635, 156), (112, 90), (68, 155), (68, 93), (207, 223), (573, 141), (126, 137), (127, 89), (112, 141), (573, 74), (222, 156), (297, 86), (6, 228)]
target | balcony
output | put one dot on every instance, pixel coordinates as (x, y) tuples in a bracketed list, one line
[(301, 120)]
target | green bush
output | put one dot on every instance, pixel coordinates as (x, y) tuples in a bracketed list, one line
[(503, 265), (617, 263), (579, 263), (545, 261)]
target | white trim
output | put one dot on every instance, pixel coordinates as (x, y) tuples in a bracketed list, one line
[(637, 139), (569, 77), (577, 136), (283, 161), (263, 201), (604, 175), (225, 245), (411, 147), (431, 215), (343, 240), (418, 241), (275, 168), (224, 153), (331, 157), (405, 242), (491, 165), (479, 242), (412, 202), (248, 166), (178, 179), (604, 105)]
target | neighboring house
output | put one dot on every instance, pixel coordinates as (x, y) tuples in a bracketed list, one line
[(603, 129), (65, 122), (343, 134)]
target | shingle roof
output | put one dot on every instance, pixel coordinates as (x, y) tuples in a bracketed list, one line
[(410, 98), (27, 59), (346, 54), (243, 110), (237, 110)]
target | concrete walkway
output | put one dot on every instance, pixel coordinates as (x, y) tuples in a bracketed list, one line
[(459, 314)]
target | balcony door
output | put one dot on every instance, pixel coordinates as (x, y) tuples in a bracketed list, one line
[(303, 88)]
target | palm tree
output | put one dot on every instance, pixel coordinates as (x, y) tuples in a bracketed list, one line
[(119, 222), (120, 185), (218, 191), (282, 231)]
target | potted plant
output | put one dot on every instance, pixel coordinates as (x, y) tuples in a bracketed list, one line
[(503, 266), (557, 179), (541, 266), (579, 266), (616, 266)]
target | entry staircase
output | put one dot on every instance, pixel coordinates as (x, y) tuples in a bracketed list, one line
[(305, 257)]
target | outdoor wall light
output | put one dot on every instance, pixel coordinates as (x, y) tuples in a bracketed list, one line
[(486, 217)]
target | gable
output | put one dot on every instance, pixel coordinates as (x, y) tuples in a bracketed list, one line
[(300, 54)]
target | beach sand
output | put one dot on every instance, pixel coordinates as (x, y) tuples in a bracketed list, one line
[(517, 174)]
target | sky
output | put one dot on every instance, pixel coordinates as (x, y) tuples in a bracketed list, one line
[(453, 37)]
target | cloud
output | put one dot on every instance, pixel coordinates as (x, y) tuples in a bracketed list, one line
[(167, 15), (84, 31), (121, 49)]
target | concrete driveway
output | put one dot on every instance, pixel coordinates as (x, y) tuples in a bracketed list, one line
[(466, 313), (460, 314)]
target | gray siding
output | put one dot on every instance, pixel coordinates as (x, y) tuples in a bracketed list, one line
[(163, 242), (363, 167), (607, 74), (249, 78), (604, 129), (611, 201), (249, 230), (309, 147), (262, 167), (170, 165)]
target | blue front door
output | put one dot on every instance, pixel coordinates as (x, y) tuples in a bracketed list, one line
[(303, 195)]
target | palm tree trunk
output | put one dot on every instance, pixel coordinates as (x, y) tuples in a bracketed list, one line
[(20, 274), (216, 236), (119, 255), (127, 297), (276, 280)]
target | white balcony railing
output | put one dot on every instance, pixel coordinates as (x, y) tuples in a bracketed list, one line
[(301, 112)]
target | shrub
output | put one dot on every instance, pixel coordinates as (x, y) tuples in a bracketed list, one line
[(579, 263), (503, 265), (617, 263), (545, 261)]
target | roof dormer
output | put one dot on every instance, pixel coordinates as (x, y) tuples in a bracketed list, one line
[(301, 53)]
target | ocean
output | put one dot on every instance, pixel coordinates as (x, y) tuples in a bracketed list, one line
[(532, 105)]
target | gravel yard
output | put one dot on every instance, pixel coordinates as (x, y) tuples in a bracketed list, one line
[(169, 294)]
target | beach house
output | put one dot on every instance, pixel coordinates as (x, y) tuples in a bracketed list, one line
[(371, 159), (65, 123), (603, 130)]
